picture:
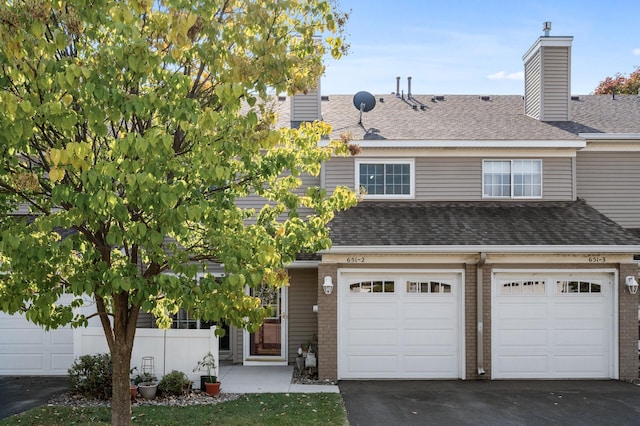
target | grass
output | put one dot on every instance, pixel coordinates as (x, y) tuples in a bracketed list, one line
[(253, 409)]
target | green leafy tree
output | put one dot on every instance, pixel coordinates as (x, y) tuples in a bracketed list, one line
[(620, 84), (132, 127)]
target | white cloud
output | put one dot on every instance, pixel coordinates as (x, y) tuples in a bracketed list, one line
[(501, 75), (636, 51)]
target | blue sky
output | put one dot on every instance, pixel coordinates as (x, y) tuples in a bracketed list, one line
[(476, 47)]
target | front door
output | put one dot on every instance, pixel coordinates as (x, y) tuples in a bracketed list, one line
[(268, 345)]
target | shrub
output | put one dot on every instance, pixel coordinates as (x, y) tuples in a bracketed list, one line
[(173, 383), (90, 376)]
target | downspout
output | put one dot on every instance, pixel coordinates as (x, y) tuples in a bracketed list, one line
[(480, 313)]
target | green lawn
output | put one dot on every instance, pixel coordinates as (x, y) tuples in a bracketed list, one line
[(261, 409)]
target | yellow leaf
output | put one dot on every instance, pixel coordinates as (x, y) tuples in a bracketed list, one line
[(67, 99), (56, 174), (54, 156)]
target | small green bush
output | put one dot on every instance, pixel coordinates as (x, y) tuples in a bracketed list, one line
[(91, 375), (173, 383)]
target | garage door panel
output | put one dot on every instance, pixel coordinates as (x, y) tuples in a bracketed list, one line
[(523, 339), (362, 310), (586, 366), (437, 366), (563, 334), (579, 311), (519, 310), (530, 364), (400, 334), (430, 338), (367, 337), (382, 364), (574, 338), (428, 309)]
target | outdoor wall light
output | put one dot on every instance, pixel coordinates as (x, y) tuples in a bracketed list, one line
[(631, 282), (327, 286)]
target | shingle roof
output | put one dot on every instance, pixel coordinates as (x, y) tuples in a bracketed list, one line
[(540, 223), (466, 117)]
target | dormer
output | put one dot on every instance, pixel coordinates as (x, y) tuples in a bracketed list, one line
[(547, 78)]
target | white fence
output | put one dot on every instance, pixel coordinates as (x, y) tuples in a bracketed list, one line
[(172, 349)]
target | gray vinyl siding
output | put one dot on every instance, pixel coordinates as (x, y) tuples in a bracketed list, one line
[(459, 178), (302, 321), (609, 182), (532, 87), (556, 84), (305, 107)]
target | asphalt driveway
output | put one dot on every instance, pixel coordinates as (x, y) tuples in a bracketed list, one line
[(18, 394), (513, 402)]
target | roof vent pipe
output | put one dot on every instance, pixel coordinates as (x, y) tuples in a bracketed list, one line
[(409, 87), (546, 27), (397, 86)]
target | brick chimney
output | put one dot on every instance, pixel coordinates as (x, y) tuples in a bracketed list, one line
[(547, 78)]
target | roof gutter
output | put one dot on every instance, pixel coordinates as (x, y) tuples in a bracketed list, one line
[(401, 143), (609, 136), (442, 249)]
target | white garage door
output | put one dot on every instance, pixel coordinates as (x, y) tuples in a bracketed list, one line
[(400, 325), (28, 350), (552, 325)]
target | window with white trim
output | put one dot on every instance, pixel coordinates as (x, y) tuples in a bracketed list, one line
[(512, 178), (385, 179)]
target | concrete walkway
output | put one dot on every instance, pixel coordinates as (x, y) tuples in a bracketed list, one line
[(267, 379)]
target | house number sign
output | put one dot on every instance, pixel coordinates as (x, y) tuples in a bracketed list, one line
[(597, 259), (355, 259)]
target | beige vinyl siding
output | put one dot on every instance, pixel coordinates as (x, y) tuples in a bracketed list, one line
[(532, 88), (339, 171), (302, 321), (609, 182), (557, 179), (255, 202), (555, 97), (305, 107), (448, 179), (459, 178)]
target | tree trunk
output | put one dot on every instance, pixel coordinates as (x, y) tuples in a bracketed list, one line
[(120, 337), (121, 399)]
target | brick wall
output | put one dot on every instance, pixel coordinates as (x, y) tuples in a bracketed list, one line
[(628, 325), (328, 324)]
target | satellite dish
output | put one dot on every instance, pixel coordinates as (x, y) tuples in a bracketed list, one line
[(364, 101)]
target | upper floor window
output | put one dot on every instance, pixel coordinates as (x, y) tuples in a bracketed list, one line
[(512, 178), (386, 179)]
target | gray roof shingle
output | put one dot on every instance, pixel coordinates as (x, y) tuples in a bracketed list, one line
[(466, 117), (539, 223)]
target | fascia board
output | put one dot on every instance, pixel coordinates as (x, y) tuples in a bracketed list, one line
[(484, 248)]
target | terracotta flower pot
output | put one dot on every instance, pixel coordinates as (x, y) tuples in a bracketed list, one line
[(134, 391), (213, 389)]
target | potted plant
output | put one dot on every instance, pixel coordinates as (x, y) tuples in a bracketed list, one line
[(147, 385), (211, 383)]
